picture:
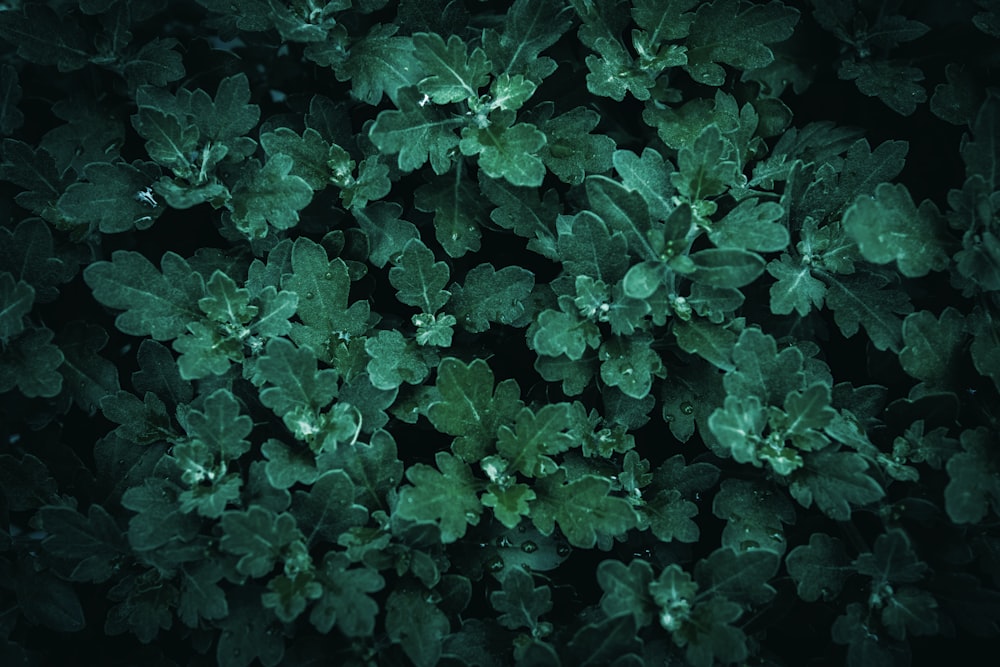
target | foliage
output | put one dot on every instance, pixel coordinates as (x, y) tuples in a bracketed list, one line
[(583, 332)]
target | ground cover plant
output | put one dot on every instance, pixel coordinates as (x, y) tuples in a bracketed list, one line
[(580, 332)]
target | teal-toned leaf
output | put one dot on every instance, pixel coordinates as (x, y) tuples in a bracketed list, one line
[(418, 279), (973, 486), (394, 360), (453, 75), (458, 209), (571, 149), (795, 287), (726, 267), (229, 115), (387, 233), (446, 496), (30, 362), (488, 295), (583, 509), (725, 32), (470, 407), (530, 26), (417, 132), (835, 481), (889, 227), (507, 151), (288, 464), (649, 175), (932, 344), (269, 195), (560, 333), (113, 199), (712, 342), (895, 84), (589, 248), (328, 508), (626, 590), (741, 577), (535, 437), (310, 154), (346, 602), (27, 252), (87, 376), (751, 226), (417, 624), (16, 300), (11, 118), (509, 502), (524, 212), (220, 426), (296, 384), (92, 542), (156, 63), (630, 364), (258, 536), (669, 517), (862, 299), (43, 38), (819, 568), (519, 602), (705, 169), (380, 63), (623, 211), (157, 304), (169, 139), (891, 560)]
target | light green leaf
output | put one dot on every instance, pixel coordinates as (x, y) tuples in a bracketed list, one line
[(571, 149), (507, 151), (452, 74), (583, 508), (751, 226), (535, 437), (417, 132), (418, 279), (889, 227), (726, 267), (932, 345), (446, 496), (270, 195), (795, 288), (819, 568), (488, 295)]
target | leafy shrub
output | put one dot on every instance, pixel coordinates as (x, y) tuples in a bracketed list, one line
[(573, 332)]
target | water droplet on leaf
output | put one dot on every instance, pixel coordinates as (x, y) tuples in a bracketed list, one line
[(562, 550), (687, 408), (529, 547), (495, 564)]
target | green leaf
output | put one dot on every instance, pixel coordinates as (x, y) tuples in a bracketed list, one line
[(507, 150), (889, 227), (741, 577), (288, 464), (452, 74), (230, 115), (623, 211), (530, 27), (712, 342), (703, 168), (87, 376), (28, 253), (761, 370), (417, 624), (346, 602), (11, 117), (394, 360), (488, 295), (630, 365), (310, 154), (220, 426), (981, 151), (835, 481), (509, 502), (113, 198), (722, 33), (795, 287), (379, 63), (583, 508), (92, 542), (297, 387), (560, 333), (932, 345), (269, 195), (34, 170), (201, 596), (589, 248), (754, 513), (387, 234), (418, 279), (43, 38), (819, 568), (156, 63), (16, 300), (571, 149), (751, 226), (535, 437), (323, 288), (524, 212), (156, 304), (458, 209), (613, 73), (328, 508), (973, 486), (726, 267), (259, 537), (519, 603), (891, 560), (626, 590), (417, 132), (447, 498), (169, 139), (30, 362), (669, 516), (649, 175), (896, 85), (863, 299), (469, 406)]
